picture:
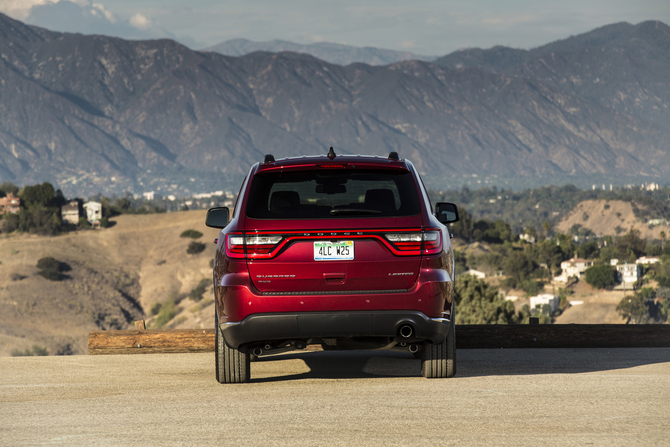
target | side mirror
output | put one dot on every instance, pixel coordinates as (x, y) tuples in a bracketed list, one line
[(217, 217), (446, 212)]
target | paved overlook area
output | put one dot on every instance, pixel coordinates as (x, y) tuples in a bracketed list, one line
[(612, 397)]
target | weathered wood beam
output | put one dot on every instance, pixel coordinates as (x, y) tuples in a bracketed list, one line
[(151, 341), (467, 337)]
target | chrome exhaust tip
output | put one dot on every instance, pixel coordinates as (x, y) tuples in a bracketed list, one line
[(406, 331)]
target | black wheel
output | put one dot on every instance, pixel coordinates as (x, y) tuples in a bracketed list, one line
[(232, 365), (439, 361)]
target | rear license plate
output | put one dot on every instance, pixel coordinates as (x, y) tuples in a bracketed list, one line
[(333, 251)]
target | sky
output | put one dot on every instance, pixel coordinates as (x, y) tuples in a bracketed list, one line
[(427, 27)]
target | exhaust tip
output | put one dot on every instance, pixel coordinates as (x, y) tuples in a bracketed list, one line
[(406, 331)]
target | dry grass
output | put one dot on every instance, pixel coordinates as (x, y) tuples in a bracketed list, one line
[(138, 261), (605, 216)]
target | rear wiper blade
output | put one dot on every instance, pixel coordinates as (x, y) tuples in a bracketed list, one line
[(339, 211)]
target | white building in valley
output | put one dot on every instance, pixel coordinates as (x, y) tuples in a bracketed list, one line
[(573, 267), (93, 212)]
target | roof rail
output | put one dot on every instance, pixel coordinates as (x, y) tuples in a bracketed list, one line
[(269, 158), (394, 156)]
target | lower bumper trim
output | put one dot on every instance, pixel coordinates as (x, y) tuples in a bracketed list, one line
[(340, 324)]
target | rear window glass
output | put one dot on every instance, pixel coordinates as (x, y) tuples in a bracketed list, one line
[(330, 193)]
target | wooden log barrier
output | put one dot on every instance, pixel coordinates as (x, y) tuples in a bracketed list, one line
[(151, 341), (467, 337)]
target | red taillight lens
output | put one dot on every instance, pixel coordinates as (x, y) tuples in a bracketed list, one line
[(432, 242), (257, 245), (406, 242), (429, 242), (235, 246)]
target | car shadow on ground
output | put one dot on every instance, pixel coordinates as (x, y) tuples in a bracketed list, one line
[(471, 362)]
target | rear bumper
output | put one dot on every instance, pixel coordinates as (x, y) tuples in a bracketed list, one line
[(303, 326)]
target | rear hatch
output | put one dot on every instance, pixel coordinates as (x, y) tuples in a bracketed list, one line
[(332, 230)]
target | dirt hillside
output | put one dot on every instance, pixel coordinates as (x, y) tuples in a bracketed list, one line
[(112, 277), (604, 216)]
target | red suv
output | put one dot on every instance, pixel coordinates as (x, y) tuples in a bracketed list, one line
[(342, 251)]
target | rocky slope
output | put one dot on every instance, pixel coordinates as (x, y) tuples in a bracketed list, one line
[(99, 114)]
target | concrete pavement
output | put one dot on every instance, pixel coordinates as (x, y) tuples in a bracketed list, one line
[(499, 397)]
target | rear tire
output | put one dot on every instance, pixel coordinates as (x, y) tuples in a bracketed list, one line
[(232, 365), (438, 361)]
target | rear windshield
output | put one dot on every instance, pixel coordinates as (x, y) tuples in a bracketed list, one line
[(330, 193)]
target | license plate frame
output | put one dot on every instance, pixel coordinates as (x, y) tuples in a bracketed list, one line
[(333, 251)]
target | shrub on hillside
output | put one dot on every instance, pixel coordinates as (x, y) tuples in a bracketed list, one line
[(36, 350), (601, 276), (49, 268), (195, 247), (156, 308), (196, 294), (193, 234), (167, 312), (10, 223)]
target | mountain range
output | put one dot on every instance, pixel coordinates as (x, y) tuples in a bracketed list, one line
[(335, 53), (101, 114)]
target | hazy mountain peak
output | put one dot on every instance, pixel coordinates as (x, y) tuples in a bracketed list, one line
[(335, 53), (98, 114)]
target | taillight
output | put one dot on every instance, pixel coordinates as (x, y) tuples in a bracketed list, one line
[(432, 242), (257, 245), (429, 242), (405, 241)]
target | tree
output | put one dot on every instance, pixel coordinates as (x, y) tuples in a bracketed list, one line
[(38, 195), (662, 235), (641, 308), (519, 268), (601, 276), (630, 246), (495, 232), (463, 228), (477, 302), (39, 210), (8, 187), (588, 250)]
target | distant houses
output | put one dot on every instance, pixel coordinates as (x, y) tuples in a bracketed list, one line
[(10, 204), (71, 212), (541, 300), (476, 273), (573, 267), (628, 274), (93, 212)]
